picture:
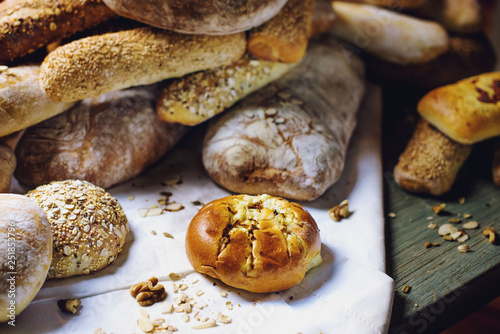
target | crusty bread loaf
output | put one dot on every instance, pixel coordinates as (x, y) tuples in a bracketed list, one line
[(26, 244), (199, 16), (467, 111), (27, 25), (256, 243), (88, 225), (22, 101), (105, 140), (388, 35), (462, 16), (289, 139), (197, 97), (468, 55), (430, 162), (95, 65), (7, 167), (284, 38), (496, 164), (394, 4)]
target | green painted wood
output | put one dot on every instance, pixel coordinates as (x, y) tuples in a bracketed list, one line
[(446, 284)]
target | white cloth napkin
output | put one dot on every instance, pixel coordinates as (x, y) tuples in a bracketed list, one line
[(348, 293)]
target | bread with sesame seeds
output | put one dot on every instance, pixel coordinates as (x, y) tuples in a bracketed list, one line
[(27, 25), (92, 66), (26, 244), (430, 162), (88, 225), (104, 140), (256, 243), (212, 17), (7, 166), (284, 38), (22, 101), (200, 96)]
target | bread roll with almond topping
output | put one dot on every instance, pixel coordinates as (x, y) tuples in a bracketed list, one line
[(256, 243), (26, 244), (88, 224), (7, 167), (92, 66)]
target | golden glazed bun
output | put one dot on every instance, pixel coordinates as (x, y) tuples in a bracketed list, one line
[(88, 225), (256, 243), (26, 244)]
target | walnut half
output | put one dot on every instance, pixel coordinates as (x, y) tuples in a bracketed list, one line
[(149, 292)]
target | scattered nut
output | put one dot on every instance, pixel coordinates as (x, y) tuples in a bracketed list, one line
[(464, 237), (174, 206), (490, 233), (447, 237), (406, 289), (456, 235), (167, 308), (463, 248), (447, 229), (144, 314), (69, 305), (454, 220), (432, 226), (223, 318), (467, 215), (438, 208), (149, 292), (339, 211), (470, 225), (174, 277), (428, 244), (145, 325), (206, 324)]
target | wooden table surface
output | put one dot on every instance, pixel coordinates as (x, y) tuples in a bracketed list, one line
[(446, 285)]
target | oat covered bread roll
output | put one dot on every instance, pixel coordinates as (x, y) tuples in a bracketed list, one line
[(289, 139), (213, 17), (28, 25), (256, 243), (468, 55), (430, 162), (88, 224), (26, 248), (7, 167), (92, 66), (391, 36), (104, 140), (22, 100), (197, 97), (467, 111)]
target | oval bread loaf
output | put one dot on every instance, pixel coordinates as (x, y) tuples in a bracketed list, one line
[(26, 244), (256, 243)]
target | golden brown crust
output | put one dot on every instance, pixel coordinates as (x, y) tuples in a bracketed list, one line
[(214, 17), (105, 141), (7, 166), (256, 243), (284, 38), (27, 25), (467, 111), (430, 161), (26, 243), (95, 65), (468, 56), (88, 225)]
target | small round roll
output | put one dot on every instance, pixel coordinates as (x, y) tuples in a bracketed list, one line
[(26, 252), (88, 225), (256, 243)]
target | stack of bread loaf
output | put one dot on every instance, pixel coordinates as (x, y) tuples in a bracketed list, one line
[(96, 91)]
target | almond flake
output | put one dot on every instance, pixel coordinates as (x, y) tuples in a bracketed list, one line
[(438, 208), (470, 225), (464, 237), (145, 325), (454, 220), (463, 248), (158, 321), (206, 324), (167, 308), (467, 215), (456, 235), (174, 206), (447, 229), (432, 226), (144, 314), (174, 276)]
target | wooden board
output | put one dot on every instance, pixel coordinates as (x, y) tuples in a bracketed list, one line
[(446, 285)]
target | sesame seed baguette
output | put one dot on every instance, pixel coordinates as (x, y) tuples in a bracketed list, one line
[(22, 101), (284, 38), (95, 65), (7, 166), (27, 25), (194, 98), (430, 162)]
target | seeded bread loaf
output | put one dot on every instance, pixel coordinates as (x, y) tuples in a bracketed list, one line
[(467, 111), (88, 225), (214, 17), (27, 25), (26, 244), (430, 162), (95, 65), (22, 100), (256, 243), (284, 38), (105, 140), (7, 167)]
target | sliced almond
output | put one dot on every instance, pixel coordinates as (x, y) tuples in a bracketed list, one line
[(447, 237), (438, 208), (454, 220), (432, 226), (145, 325), (167, 308), (463, 248), (464, 237), (144, 314), (206, 324), (174, 206), (470, 225), (456, 235), (447, 229), (467, 215)]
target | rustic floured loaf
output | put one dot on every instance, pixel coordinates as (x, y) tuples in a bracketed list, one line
[(256, 243)]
